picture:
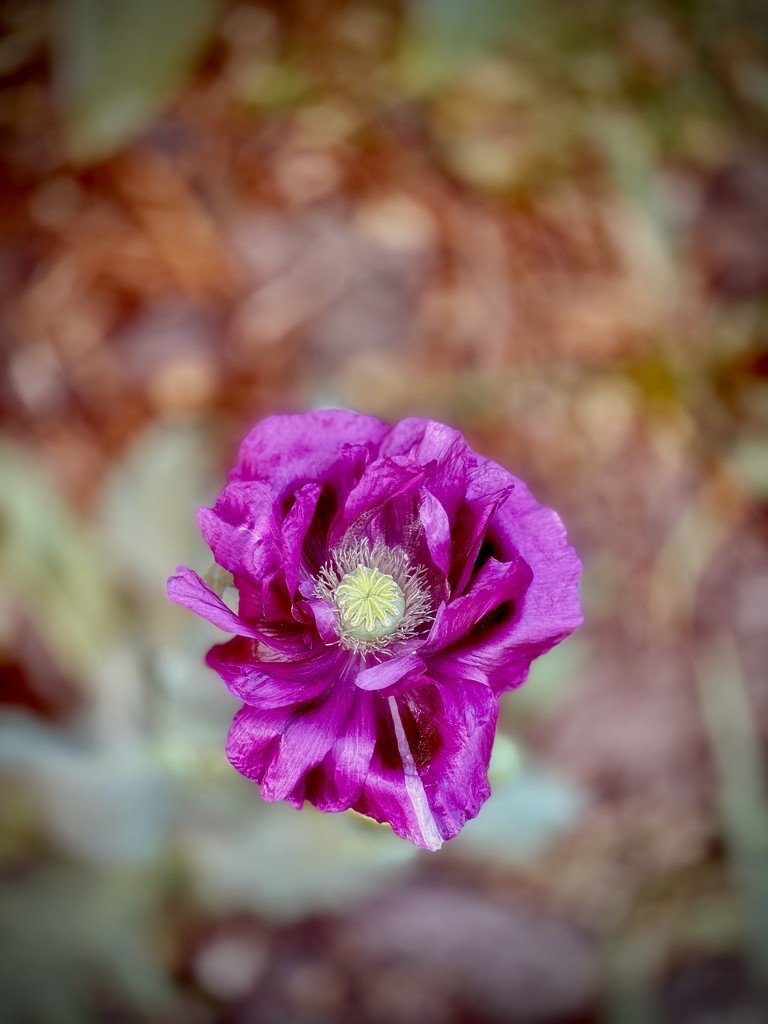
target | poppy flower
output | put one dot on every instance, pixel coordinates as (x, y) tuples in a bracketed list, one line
[(391, 585)]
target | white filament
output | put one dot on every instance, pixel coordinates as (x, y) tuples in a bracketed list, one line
[(414, 787)]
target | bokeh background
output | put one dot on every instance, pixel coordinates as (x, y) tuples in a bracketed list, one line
[(542, 221)]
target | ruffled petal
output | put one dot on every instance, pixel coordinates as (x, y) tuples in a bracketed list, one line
[(389, 672), (437, 531), (188, 589), (243, 531), (288, 451), (404, 436), (504, 668), (294, 532), (254, 737), (325, 616), (495, 584), (428, 772), (383, 493), (336, 783), (393, 792), (441, 449), (469, 533), (550, 609), (273, 684), (456, 776), (308, 737)]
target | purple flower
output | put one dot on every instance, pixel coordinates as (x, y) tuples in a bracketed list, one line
[(392, 584)]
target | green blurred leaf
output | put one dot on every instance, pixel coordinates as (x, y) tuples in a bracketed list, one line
[(286, 863), (445, 34), (117, 62), (527, 810), (101, 799), (149, 504), (454, 27), (551, 681), (68, 928), (749, 460), (729, 716), (53, 568)]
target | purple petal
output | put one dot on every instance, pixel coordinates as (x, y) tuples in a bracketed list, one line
[(186, 588), (505, 668), (389, 672), (272, 684), (456, 776), (326, 618), (550, 609), (495, 584), (305, 742), (336, 783), (294, 531), (404, 436), (469, 533), (383, 482), (253, 739), (442, 449), (428, 772), (242, 529), (437, 531), (393, 792), (288, 451)]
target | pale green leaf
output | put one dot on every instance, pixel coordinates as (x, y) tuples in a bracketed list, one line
[(118, 62), (52, 568)]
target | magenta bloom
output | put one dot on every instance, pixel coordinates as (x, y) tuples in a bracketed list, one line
[(392, 584)]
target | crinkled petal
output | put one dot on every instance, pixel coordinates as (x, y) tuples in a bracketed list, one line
[(456, 777), (441, 449), (326, 618), (294, 532), (550, 609), (381, 485), (389, 672), (437, 531), (495, 584), (273, 684), (504, 670), (336, 783), (495, 662), (309, 736), (404, 436), (188, 589), (428, 772), (254, 737), (288, 451), (393, 792), (469, 533), (242, 529)]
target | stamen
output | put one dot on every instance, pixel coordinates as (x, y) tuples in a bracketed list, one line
[(381, 598), (370, 602)]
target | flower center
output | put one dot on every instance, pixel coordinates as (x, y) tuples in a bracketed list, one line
[(381, 597), (370, 603)]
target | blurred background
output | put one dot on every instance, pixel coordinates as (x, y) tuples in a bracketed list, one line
[(542, 221)]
